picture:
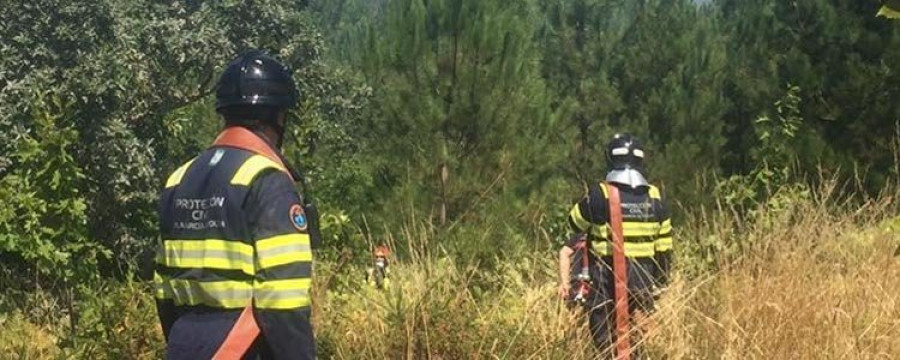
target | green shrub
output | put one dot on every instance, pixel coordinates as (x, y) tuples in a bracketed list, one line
[(43, 226)]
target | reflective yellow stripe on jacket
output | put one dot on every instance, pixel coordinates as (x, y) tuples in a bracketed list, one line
[(283, 249), (210, 254), (176, 176), (282, 294), (642, 239), (632, 249), (578, 217), (272, 294), (218, 294), (251, 168), (664, 242), (630, 230)]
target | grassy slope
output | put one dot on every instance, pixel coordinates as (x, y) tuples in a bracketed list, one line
[(802, 282)]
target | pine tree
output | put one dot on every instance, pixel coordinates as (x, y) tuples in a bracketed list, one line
[(841, 56), (457, 100), (652, 68)]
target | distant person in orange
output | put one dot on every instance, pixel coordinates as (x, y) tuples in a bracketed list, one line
[(378, 275)]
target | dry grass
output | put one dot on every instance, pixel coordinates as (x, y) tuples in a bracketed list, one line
[(804, 280), (801, 281), (22, 339), (814, 283)]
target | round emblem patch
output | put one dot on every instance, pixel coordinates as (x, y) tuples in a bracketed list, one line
[(298, 217)]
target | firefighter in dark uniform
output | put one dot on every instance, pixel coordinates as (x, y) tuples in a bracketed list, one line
[(234, 264), (647, 232)]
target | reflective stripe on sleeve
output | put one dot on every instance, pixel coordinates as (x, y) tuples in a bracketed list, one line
[(578, 219), (664, 244), (162, 290), (600, 231), (283, 249), (282, 294), (665, 227)]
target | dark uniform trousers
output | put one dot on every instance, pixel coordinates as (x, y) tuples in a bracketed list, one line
[(648, 246), (234, 234)]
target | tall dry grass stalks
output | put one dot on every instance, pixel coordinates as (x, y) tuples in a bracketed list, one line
[(806, 276)]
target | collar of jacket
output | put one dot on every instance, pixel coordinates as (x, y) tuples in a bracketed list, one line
[(242, 138), (628, 176)]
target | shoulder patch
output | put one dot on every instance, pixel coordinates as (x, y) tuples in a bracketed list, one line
[(217, 157), (298, 217)]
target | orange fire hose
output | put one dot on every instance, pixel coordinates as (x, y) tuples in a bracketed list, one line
[(623, 343), (240, 338)]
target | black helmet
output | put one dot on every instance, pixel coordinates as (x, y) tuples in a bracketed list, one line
[(624, 151), (255, 78)]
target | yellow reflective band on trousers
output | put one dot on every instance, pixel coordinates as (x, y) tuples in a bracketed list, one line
[(218, 294), (210, 254), (252, 167), (632, 249), (283, 249), (282, 294), (664, 244)]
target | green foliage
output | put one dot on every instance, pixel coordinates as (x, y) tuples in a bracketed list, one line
[(43, 223), (652, 68), (775, 154), (840, 56), (459, 122), (137, 78), (766, 198), (473, 124), (113, 323)]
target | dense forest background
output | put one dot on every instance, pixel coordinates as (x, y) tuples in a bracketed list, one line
[(475, 123)]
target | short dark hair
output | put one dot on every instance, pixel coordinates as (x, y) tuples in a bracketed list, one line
[(246, 114)]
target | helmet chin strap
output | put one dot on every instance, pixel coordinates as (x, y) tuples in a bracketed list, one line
[(279, 129)]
